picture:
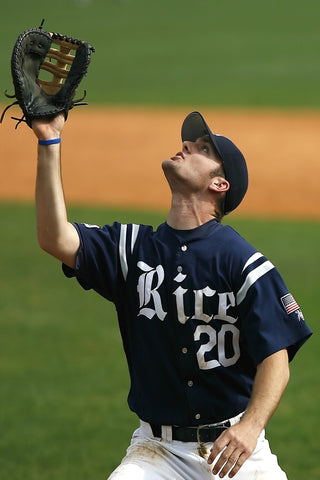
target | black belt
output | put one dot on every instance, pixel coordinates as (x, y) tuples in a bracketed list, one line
[(203, 434)]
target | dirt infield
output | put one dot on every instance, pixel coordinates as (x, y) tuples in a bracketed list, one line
[(112, 157)]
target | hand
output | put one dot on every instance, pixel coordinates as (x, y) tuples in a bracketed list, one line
[(235, 445), (46, 129)]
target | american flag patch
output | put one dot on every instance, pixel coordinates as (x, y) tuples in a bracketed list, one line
[(289, 303)]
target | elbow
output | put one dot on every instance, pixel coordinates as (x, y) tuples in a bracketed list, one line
[(47, 243), (63, 246), (42, 241)]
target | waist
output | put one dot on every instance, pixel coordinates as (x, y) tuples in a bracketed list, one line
[(200, 434)]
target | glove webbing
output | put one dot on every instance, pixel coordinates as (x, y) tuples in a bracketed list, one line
[(63, 58)]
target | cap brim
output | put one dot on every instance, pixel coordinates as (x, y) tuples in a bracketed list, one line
[(194, 127), (234, 164)]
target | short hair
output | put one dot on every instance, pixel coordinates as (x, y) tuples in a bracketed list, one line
[(219, 172), (219, 210)]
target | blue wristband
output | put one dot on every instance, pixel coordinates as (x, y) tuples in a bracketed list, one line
[(49, 142)]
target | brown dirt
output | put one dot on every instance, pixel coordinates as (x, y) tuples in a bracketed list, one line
[(112, 157)]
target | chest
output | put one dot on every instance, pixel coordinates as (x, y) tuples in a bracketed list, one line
[(186, 281)]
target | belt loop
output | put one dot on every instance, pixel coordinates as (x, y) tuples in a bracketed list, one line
[(146, 428), (166, 433), (236, 419)]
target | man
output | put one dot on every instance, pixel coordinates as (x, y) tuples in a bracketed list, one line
[(207, 323)]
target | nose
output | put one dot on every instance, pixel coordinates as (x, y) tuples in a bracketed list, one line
[(187, 146)]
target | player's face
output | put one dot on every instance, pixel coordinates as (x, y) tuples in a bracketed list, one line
[(193, 167)]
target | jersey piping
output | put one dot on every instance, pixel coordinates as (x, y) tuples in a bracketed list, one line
[(253, 276), (252, 259), (122, 246)]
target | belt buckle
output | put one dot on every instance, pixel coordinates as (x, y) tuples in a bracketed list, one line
[(216, 426), (200, 427)]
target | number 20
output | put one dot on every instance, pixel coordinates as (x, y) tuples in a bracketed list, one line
[(220, 340)]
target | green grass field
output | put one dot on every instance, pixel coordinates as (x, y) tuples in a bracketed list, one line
[(63, 375), (173, 52)]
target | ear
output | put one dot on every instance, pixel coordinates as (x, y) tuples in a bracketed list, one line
[(219, 184)]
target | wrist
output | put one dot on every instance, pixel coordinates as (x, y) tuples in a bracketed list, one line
[(255, 420), (51, 141)]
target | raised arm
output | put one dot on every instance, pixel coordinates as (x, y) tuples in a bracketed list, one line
[(55, 234)]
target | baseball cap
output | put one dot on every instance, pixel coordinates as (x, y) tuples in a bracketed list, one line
[(234, 164)]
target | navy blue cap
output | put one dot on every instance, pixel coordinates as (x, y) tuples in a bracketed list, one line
[(234, 164)]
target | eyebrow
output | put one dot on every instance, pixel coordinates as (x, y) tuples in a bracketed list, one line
[(205, 138)]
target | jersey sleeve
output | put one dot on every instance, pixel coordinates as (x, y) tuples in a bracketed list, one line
[(97, 262), (272, 319)]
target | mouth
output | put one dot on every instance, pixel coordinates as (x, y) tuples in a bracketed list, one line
[(178, 156)]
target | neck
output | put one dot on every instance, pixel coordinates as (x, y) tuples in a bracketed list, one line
[(186, 214)]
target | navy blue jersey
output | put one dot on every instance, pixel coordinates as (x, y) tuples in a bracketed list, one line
[(198, 310)]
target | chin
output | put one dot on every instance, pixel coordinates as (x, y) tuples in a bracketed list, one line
[(167, 164)]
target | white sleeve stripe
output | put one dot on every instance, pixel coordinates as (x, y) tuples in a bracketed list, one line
[(252, 259), (122, 250), (252, 277), (135, 230)]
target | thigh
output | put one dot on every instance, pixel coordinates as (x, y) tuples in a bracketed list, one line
[(152, 459), (144, 460)]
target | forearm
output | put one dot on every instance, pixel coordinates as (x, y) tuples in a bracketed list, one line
[(55, 234), (237, 443), (270, 382), (50, 204)]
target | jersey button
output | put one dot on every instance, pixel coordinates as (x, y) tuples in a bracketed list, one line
[(197, 416), (190, 383), (179, 269), (184, 350), (184, 248)]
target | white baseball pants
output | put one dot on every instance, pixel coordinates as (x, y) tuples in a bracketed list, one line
[(150, 458)]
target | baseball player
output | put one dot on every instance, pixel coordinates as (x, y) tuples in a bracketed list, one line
[(207, 322)]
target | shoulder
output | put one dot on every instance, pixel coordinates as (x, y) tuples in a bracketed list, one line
[(233, 244), (114, 231)]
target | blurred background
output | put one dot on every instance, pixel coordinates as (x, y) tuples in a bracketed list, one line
[(209, 52), (63, 377)]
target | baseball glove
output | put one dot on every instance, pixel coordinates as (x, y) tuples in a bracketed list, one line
[(60, 61)]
